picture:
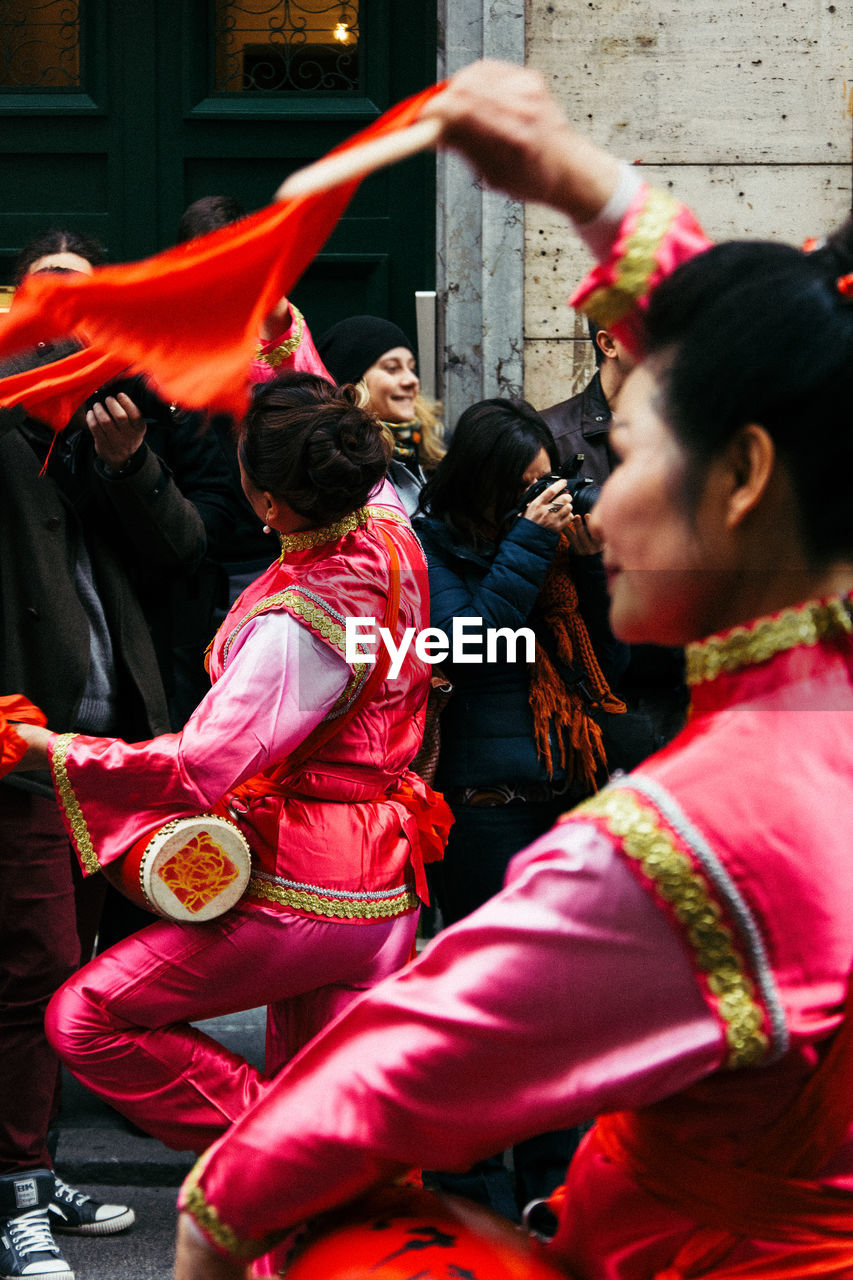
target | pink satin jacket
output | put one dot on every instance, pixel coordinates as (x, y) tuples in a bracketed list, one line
[(344, 833), (681, 943)]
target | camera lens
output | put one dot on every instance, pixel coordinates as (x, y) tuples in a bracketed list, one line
[(584, 494)]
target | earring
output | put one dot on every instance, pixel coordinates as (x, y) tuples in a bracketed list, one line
[(267, 529)]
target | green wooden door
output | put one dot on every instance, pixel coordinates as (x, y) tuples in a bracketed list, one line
[(128, 110)]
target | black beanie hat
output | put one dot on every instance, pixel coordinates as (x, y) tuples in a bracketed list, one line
[(351, 346)]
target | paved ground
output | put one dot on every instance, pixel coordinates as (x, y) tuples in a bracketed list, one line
[(99, 1154)]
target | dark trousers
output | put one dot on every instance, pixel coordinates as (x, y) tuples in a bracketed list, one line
[(39, 949), (482, 843)]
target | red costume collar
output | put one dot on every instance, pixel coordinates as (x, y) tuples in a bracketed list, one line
[(306, 539)]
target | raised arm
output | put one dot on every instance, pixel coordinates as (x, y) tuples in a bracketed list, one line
[(511, 129)]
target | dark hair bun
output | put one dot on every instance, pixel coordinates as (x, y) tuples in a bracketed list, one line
[(313, 446)]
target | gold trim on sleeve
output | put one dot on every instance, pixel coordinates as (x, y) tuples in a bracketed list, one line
[(195, 1203), (805, 625), (70, 805), (279, 354), (688, 893), (305, 607), (389, 513), (611, 303), (318, 616)]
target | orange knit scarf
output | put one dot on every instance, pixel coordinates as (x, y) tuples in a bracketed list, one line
[(556, 704)]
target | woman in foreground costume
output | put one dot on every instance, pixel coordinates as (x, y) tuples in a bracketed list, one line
[(308, 751), (674, 954)]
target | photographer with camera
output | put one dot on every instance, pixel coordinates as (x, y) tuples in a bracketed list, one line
[(654, 684), (519, 743)]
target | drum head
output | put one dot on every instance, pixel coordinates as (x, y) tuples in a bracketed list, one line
[(405, 1232), (195, 869)]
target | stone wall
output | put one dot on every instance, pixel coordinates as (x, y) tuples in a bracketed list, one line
[(480, 242), (744, 110)]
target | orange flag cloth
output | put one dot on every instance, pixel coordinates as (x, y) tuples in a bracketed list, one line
[(188, 317), (13, 747)]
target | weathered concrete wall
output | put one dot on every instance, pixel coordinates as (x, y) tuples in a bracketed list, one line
[(480, 249), (744, 110)]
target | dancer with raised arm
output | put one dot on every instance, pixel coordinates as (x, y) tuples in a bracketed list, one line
[(306, 751)]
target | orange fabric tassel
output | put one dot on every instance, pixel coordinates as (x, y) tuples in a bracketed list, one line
[(582, 752), (189, 317)]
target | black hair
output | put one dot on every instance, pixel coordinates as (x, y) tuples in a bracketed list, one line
[(208, 214), (758, 332), (309, 443), (594, 330), (57, 240), (479, 478)]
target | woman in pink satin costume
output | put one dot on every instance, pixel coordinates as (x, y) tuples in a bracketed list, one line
[(308, 750), (674, 955)]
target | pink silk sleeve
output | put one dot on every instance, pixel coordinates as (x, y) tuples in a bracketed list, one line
[(293, 349), (566, 995), (654, 237), (279, 683)]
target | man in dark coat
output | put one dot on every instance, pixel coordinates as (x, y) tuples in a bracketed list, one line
[(582, 423), (93, 529)]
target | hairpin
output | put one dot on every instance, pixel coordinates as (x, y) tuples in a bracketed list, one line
[(813, 243)]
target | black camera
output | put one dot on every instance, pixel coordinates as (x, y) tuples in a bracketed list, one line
[(582, 491)]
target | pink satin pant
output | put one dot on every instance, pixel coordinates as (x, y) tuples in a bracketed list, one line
[(121, 1024)]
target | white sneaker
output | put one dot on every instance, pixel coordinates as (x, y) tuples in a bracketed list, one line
[(72, 1212)]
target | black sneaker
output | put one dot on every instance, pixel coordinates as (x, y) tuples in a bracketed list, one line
[(28, 1250), (72, 1212)]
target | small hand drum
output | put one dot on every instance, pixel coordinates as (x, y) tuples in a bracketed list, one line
[(191, 869), (400, 1233)]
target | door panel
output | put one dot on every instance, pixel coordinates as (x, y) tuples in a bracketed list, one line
[(148, 128)]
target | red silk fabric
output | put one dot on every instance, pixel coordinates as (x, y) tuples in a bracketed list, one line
[(188, 317), (13, 747), (775, 1197)]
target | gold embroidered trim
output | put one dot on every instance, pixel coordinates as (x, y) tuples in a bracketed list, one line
[(336, 908), (195, 1203), (611, 303), (309, 538), (311, 611), (389, 513), (71, 807), (683, 885), (319, 618), (334, 532), (805, 625), (350, 692), (284, 349)]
